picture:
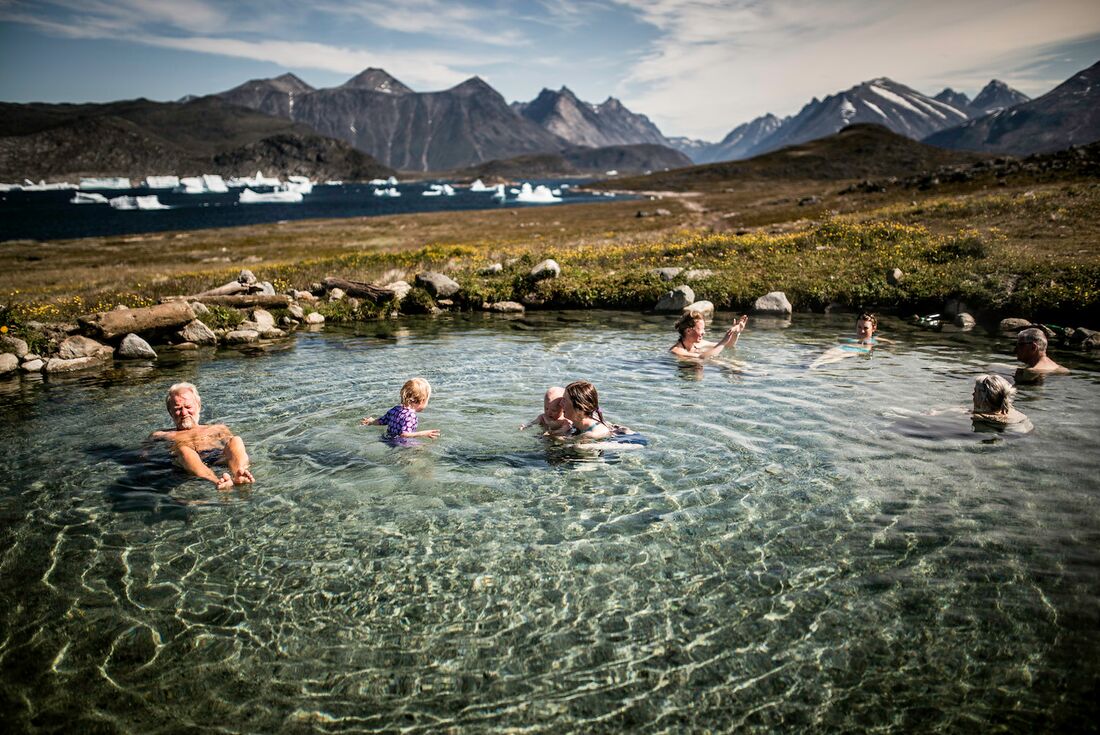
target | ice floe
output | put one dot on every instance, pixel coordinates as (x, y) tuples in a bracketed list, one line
[(29, 185), (479, 185), (106, 182), (162, 182), (300, 184), (145, 202), (387, 192), (84, 197), (270, 197), (538, 195)]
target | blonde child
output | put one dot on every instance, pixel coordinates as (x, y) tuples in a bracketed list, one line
[(552, 418), (401, 421)]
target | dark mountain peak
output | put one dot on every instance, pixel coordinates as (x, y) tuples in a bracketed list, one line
[(611, 104), (376, 80), (567, 93), (473, 86), (290, 83), (996, 96), (956, 99)]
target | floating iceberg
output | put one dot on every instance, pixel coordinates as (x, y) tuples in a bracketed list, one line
[(109, 182), (387, 192), (162, 182), (271, 197), (83, 197), (391, 181), (612, 172), (11, 187), (253, 182), (479, 185), (498, 193), (431, 193), (539, 195), (29, 185), (437, 190), (146, 202), (300, 184), (334, 182), (214, 184)]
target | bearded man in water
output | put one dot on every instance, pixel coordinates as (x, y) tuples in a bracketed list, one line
[(196, 445)]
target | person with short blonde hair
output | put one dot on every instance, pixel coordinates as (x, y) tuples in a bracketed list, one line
[(198, 445), (993, 396), (401, 421), (692, 326)]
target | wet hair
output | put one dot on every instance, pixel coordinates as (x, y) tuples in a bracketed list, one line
[(416, 390), (993, 394), (1033, 334), (687, 321), (869, 317), (585, 399), (182, 388)]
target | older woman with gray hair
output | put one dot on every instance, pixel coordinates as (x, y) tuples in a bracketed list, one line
[(993, 395)]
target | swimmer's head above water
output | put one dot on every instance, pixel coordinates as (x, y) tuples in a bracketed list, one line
[(993, 394), (866, 326), (184, 405)]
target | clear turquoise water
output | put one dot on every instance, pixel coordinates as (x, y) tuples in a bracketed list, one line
[(789, 552)]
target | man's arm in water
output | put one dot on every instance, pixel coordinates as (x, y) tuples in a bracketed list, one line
[(192, 462)]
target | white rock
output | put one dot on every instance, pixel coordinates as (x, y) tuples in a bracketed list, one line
[(264, 318), (548, 268), (63, 365), (337, 294), (314, 318), (199, 308), (400, 288), (33, 366), (134, 347), (296, 311), (197, 333), (77, 346), (241, 336), (507, 307), (676, 299), (706, 308), (14, 345)]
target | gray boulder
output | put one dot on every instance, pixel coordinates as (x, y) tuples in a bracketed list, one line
[(676, 299), (134, 347), (9, 363), (337, 294), (264, 318), (507, 307), (964, 321), (197, 333), (296, 311), (774, 303), (548, 268), (77, 346), (437, 284), (199, 308), (894, 276), (246, 277), (706, 308), (1014, 325), (13, 345), (33, 366), (667, 274), (62, 365), (272, 333), (314, 318), (241, 336), (491, 269), (267, 289), (1091, 342)]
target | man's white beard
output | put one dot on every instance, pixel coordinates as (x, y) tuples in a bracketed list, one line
[(187, 423)]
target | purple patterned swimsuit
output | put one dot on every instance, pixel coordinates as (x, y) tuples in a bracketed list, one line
[(399, 420)]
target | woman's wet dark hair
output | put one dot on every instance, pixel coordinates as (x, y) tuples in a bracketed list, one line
[(869, 317), (585, 399)]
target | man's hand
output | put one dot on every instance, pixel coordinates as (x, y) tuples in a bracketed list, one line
[(368, 421)]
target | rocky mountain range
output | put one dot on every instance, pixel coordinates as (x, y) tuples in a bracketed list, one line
[(137, 138), (639, 158), (994, 96), (583, 123), (1067, 115)]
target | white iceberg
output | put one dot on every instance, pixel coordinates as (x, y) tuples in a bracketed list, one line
[(271, 197), (214, 184), (162, 182), (334, 182), (145, 202), (612, 172), (387, 192), (300, 184), (83, 197), (436, 190), (392, 181), (11, 187), (107, 182), (29, 185), (191, 185), (539, 195), (479, 185), (431, 193), (498, 193)]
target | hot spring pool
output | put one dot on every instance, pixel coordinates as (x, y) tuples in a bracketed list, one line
[(788, 553)]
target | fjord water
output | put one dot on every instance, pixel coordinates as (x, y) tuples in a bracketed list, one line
[(48, 215), (794, 550)]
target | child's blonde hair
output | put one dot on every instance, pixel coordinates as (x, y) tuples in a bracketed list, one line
[(416, 390)]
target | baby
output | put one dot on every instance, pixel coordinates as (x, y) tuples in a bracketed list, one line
[(552, 417), (401, 421)]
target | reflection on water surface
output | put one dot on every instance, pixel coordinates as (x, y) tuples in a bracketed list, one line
[(781, 556)]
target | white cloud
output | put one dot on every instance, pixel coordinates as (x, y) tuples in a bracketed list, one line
[(718, 63), (433, 17)]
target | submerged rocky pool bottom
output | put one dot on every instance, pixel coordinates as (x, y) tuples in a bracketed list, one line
[(787, 553)]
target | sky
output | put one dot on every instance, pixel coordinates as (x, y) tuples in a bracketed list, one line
[(696, 67)]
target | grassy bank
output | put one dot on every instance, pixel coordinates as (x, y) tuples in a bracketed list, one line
[(1032, 252)]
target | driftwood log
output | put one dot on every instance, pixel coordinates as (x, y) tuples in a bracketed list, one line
[(360, 290), (240, 301), (111, 325)]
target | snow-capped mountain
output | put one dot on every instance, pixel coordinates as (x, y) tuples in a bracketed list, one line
[(1067, 115), (996, 96), (582, 123), (880, 101), (958, 100), (743, 140)]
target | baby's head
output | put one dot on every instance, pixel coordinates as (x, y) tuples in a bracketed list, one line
[(551, 402), (415, 394), (993, 394)]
